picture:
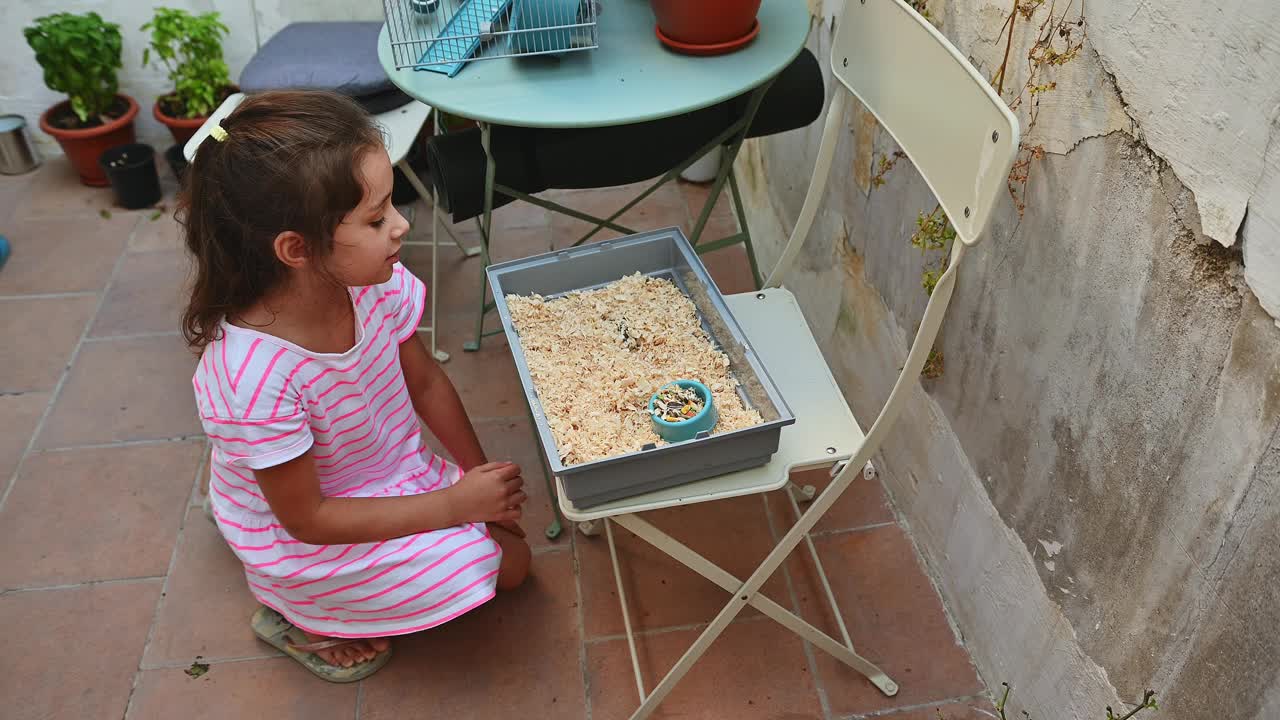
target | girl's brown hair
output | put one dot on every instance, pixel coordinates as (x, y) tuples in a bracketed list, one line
[(290, 161)]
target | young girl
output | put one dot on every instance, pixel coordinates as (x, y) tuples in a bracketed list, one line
[(350, 528)]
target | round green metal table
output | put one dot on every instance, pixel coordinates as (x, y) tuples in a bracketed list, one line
[(630, 78)]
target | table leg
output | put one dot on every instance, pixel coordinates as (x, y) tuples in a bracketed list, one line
[(726, 175), (746, 231), (486, 233)]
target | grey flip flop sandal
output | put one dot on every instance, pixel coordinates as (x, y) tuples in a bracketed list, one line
[(272, 628)]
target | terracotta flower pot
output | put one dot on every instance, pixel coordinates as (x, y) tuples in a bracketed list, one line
[(84, 147), (706, 27), (183, 128)]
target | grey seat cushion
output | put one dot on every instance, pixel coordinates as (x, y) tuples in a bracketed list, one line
[(337, 56)]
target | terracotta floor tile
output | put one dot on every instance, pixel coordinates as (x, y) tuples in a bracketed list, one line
[(207, 605), (730, 269), (162, 233), (661, 592), (666, 207), (863, 503), (755, 669), (722, 222), (97, 514), (895, 618), (518, 242), (137, 389), (521, 214), (974, 709), (19, 415), (148, 295), (48, 330), (486, 380), (13, 191), (63, 254), (80, 649), (515, 657), (276, 688), (56, 191)]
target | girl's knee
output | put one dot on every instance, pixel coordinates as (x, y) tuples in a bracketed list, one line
[(516, 558)]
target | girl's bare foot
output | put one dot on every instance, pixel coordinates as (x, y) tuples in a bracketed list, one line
[(362, 650)]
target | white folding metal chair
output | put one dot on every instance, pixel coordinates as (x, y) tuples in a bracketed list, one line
[(400, 127), (962, 138)]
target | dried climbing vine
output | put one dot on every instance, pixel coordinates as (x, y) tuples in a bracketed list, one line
[(1148, 702), (1059, 40)]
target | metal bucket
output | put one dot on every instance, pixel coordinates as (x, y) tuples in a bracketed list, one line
[(17, 154)]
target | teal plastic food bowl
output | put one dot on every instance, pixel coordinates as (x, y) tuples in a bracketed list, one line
[(705, 420)]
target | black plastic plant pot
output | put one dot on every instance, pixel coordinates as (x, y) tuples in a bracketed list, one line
[(177, 161), (131, 170)]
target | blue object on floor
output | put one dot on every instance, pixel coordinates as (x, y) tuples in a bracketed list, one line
[(449, 52), (4, 250)]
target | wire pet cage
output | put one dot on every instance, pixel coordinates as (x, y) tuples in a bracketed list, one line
[(444, 35)]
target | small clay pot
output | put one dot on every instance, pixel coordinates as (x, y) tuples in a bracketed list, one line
[(183, 128), (706, 27), (83, 147)]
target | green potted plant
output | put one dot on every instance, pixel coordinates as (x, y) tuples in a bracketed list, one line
[(189, 48), (80, 56)]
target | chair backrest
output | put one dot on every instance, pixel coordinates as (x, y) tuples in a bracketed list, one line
[(955, 129), (942, 113), (960, 136)]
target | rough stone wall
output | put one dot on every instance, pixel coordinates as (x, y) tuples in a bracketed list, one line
[(1093, 476)]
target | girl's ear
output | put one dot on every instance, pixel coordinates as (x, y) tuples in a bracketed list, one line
[(291, 249)]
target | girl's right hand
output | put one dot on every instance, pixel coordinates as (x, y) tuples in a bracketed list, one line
[(488, 493)]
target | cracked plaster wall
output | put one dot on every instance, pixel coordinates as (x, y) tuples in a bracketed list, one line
[(1093, 477)]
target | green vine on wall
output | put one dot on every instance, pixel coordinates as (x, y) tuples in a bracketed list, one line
[(1148, 702), (1059, 39)]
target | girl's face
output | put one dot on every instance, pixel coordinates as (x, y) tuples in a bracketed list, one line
[(366, 243)]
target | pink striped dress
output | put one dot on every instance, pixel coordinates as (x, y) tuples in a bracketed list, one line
[(264, 401)]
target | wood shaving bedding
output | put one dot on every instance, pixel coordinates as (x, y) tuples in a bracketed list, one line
[(597, 356)]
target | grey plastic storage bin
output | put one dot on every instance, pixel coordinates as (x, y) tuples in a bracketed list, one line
[(664, 253)]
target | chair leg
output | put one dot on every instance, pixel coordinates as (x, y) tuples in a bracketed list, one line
[(802, 493), (434, 328), (626, 611), (741, 598)]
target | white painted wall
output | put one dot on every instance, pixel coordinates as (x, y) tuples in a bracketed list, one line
[(252, 22)]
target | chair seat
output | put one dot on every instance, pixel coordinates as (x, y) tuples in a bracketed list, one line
[(825, 430), (337, 56)]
